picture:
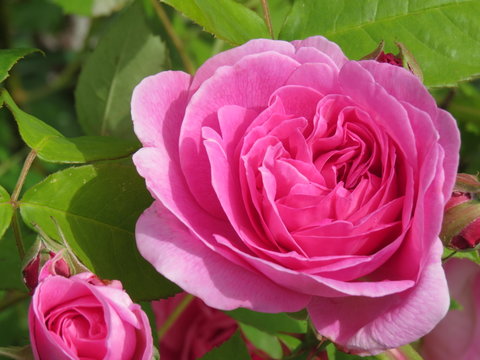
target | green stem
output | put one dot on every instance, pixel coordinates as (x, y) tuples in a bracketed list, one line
[(177, 42), (266, 15), (174, 316), (14, 201)]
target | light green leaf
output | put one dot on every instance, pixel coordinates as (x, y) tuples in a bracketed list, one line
[(226, 19), (6, 211), (232, 349), (90, 7), (9, 57), (51, 145), (443, 35), (263, 341), (127, 53), (272, 323), (97, 206)]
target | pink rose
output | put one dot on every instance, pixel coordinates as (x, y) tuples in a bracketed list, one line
[(457, 336), (82, 317), (197, 330), (286, 176)]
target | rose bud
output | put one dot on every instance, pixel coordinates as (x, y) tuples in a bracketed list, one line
[(84, 317), (43, 264), (457, 336), (461, 224)]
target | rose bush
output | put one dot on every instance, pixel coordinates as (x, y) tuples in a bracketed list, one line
[(83, 317), (286, 176), (457, 336)]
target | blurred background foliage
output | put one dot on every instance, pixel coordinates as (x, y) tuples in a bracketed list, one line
[(67, 31)]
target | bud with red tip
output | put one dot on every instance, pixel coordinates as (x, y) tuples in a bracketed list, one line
[(461, 224)]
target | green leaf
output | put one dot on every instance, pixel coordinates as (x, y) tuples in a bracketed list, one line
[(233, 349), (90, 7), (51, 145), (6, 211), (127, 53), (454, 305), (263, 341), (443, 35), (226, 19), (272, 323), (97, 206), (9, 57)]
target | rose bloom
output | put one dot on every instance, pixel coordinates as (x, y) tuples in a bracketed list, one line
[(457, 336), (286, 176), (82, 317)]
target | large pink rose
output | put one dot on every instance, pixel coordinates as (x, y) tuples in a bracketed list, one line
[(286, 176), (82, 317), (457, 336)]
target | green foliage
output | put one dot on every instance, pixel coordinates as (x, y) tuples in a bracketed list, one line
[(232, 349), (226, 19), (442, 34), (126, 53), (97, 206), (263, 341), (51, 145), (271, 323), (9, 57), (90, 7), (6, 211)]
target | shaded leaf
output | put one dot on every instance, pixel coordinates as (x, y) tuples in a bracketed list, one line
[(263, 341), (226, 19), (6, 211), (9, 57), (232, 349), (442, 34), (90, 7), (272, 323), (97, 206), (51, 145), (127, 53)]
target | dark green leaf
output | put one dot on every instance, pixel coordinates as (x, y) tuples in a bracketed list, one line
[(6, 211), (52, 146), (126, 54), (9, 57), (232, 349), (226, 19), (263, 341), (17, 353), (10, 263), (97, 206), (272, 323), (443, 35)]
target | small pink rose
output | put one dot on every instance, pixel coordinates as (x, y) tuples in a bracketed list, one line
[(43, 265), (286, 176), (457, 336), (82, 317)]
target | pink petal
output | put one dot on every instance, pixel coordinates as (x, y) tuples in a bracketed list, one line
[(249, 83), (372, 325), (325, 46), (181, 257), (158, 106)]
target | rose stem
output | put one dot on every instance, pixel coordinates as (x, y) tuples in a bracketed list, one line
[(266, 15), (174, 316), (177, 42), (14, 201)]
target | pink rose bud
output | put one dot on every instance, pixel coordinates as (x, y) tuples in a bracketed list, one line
[(44, 264), (197, 331), (461, 224), (83, 317), (390, 58), (457, 336)]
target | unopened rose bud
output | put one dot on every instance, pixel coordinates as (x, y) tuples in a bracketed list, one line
[(461, 224)]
